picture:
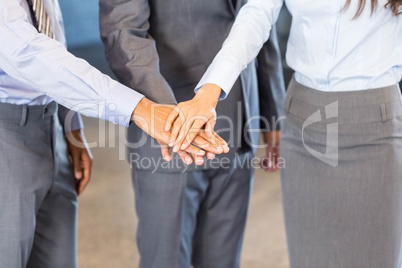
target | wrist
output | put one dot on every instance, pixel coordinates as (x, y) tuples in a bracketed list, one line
[(76, 134), (76, 138), (210, 93), (272, 138), (141, 110)]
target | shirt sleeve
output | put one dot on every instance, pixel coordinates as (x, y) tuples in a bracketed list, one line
[(249, 32), (46, 65)]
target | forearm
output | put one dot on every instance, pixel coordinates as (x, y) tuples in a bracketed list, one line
[(249, 32), (48, 67), (130, 51)]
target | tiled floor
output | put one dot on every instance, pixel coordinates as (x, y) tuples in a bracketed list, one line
[(107, 221)]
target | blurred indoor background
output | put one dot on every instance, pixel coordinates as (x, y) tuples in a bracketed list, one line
[(107, 220)]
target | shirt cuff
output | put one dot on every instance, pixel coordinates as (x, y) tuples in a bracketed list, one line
[(222, 73), (121, 104)]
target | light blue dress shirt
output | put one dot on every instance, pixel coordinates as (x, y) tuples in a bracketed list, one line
[(35, 69), (327, 48)]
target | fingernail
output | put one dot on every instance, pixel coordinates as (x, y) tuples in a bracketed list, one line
[(199, 161), (200, 153), (183, 146), (220, 150), (78, 175), (188, 160), (171, 142), (167, 158), (176, 148)]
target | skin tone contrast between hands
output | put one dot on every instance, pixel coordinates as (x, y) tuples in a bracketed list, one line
[(189, 128), (151, 118)]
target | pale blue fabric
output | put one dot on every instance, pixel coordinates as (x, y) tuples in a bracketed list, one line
[(36, 69)]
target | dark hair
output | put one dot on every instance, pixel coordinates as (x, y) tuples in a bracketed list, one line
[(393, 4)]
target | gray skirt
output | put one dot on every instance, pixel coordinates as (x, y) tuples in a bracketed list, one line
[(342, 177)]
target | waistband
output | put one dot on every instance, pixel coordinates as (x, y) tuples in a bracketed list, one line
[(22, 114), (372, 105)]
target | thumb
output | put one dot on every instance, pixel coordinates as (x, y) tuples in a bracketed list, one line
[(209, 127)]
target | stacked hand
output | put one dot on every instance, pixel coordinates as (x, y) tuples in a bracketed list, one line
[(189, 128), (190, 124), (187, 119), (151, 118)]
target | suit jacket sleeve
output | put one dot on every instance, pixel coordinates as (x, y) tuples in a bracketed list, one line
[(271, 86), (130, 50)]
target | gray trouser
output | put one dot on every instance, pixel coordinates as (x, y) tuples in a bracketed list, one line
[(342, 185), (192, 217), (37, 190)]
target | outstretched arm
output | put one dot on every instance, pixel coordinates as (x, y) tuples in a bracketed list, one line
[(45, 65), (132, 55), (249, 32), (130, 50)]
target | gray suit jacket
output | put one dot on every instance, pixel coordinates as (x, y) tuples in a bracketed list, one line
[(161, 48)]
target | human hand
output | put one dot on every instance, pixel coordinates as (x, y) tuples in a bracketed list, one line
[(271, 160), (80, 157), (151, 118), (184, 156), (187, 118)]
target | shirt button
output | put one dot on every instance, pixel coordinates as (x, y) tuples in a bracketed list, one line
[(45, 110)]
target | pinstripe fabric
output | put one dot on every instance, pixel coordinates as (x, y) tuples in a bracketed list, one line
[(42, 19)]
